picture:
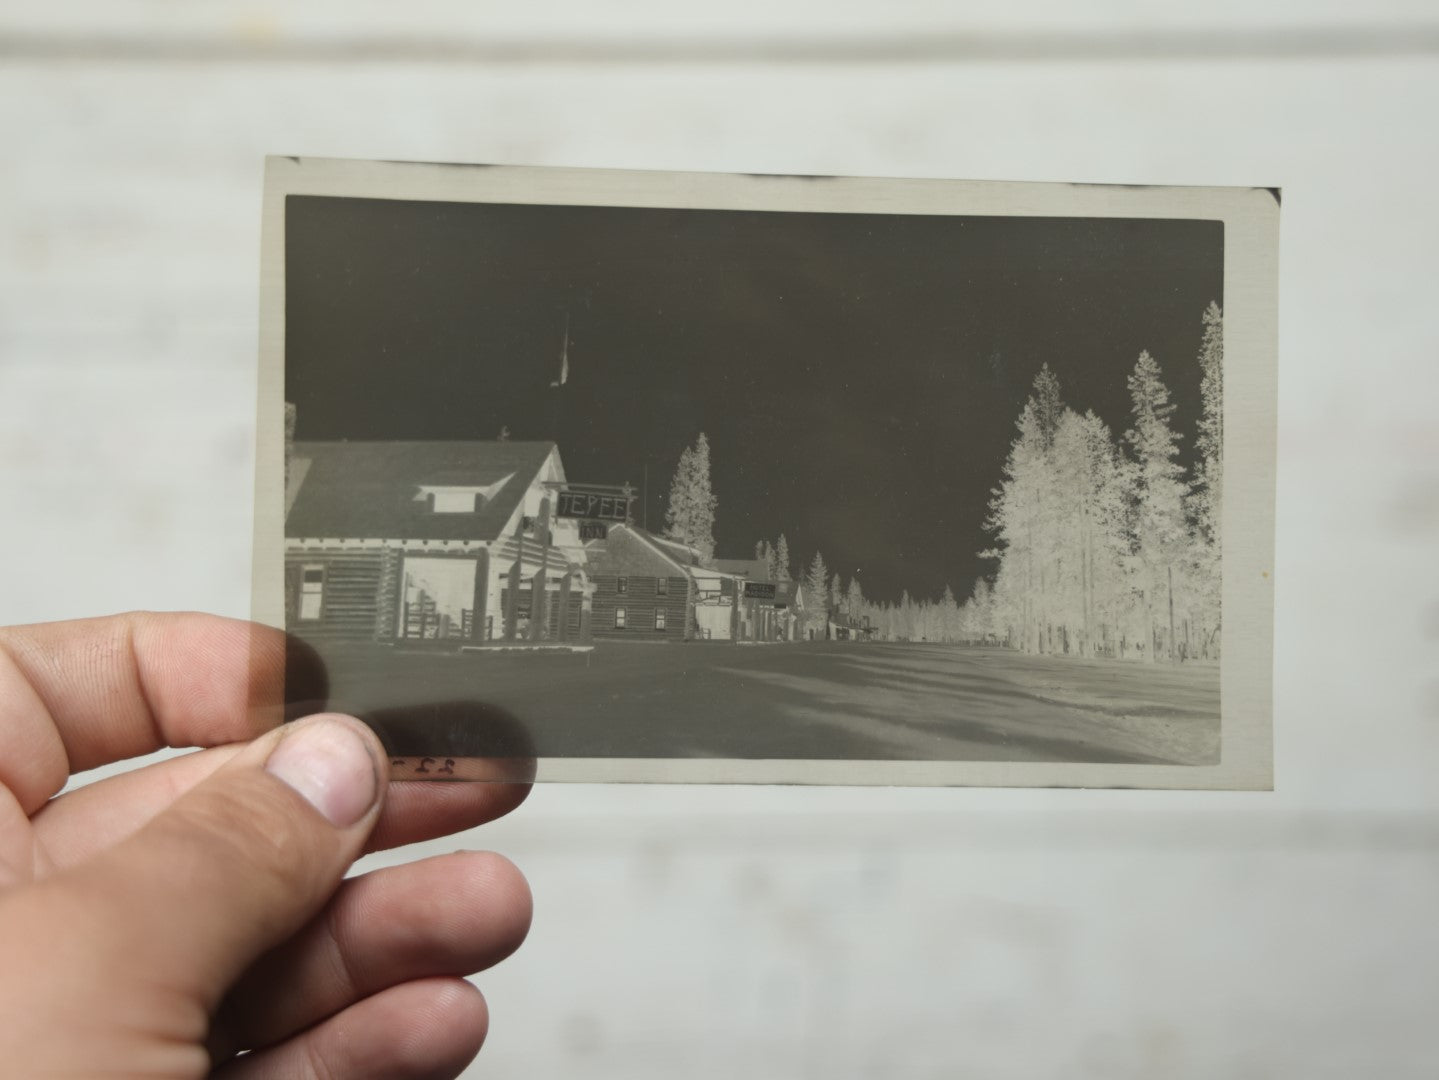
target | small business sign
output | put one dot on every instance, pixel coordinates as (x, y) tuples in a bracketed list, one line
[(759, 590), (593, 530), (578, 504)]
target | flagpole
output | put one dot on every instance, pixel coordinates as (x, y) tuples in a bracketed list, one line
[(557, 386)]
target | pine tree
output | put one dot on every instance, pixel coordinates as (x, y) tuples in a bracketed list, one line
[(1208, 499), (1210, 442), (690, 515), (779, 560), (1160, 529), (947, 616), (854, 599), (1016, 513), (1047, 405), (816, 593), (906, 616), (981, 608), (1093, 540)]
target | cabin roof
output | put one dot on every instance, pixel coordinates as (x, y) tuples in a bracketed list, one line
[(677, 550), (372, 490), (629, 549), (754, 569)]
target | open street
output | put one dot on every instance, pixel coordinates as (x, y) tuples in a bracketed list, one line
[(835, 700)]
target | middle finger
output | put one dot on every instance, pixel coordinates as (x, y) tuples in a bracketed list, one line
[(447, 915)]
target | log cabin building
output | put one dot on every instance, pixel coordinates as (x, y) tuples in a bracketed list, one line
[(644, 589), (431, 542), (653, 588)]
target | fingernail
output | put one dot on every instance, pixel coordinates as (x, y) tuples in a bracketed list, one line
[(327, 762)]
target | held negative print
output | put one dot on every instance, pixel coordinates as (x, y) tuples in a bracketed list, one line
[(848, 481)]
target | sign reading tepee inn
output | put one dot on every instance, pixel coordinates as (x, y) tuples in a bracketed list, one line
[(592, 506)]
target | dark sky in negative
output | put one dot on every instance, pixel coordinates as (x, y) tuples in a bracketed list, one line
[(858, 376)]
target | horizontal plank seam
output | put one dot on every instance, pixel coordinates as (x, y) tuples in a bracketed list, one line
[(1279, 42)]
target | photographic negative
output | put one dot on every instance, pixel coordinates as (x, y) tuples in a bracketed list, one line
[(706, 478)]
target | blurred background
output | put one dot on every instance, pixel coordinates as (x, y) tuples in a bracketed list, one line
[(711, 932)]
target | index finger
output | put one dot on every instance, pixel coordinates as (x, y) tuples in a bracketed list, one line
[(79, 694)]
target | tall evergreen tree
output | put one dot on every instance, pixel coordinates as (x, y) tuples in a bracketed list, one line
[(1016, 518), (906, 616), (1047, 405), (690, 515), (981, 607), (816, 593), (949, 616), (1160, 529), (1208, 498), (1210, 442), (1093, 537), (854, 598), (779, 560)]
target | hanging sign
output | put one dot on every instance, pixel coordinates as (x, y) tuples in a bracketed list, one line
[(578, 504)]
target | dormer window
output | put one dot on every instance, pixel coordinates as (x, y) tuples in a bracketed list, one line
[(459, 498), (456, 502)]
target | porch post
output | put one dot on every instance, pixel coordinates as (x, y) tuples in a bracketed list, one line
[(512, 598), (482, 595), (539, 615), (562, 630)]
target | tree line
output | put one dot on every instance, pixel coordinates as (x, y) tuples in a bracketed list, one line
[(1104, 546), (1110, 547)]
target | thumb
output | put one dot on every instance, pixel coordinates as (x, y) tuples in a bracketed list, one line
[(238, 863)]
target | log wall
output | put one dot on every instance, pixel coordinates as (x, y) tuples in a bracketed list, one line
[(350, 607)]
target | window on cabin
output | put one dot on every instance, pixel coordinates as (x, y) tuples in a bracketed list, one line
[(312, 588), (455, 502), (619, 618), (659, 618), (662, 587), (622, 586)]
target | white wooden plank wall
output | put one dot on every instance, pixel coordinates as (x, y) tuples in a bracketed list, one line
[(779, 933)]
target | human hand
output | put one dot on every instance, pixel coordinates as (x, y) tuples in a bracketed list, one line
[(160, 922)]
